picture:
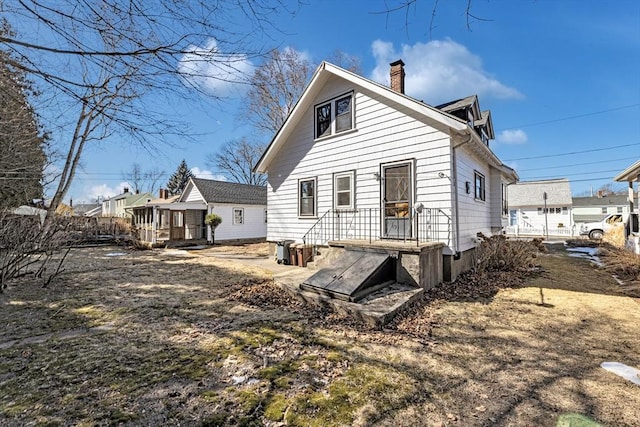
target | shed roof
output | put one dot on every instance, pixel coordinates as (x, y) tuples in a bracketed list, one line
[(531, 193), (230, 192)]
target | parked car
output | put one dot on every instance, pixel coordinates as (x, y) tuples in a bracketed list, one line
[(595, 230)]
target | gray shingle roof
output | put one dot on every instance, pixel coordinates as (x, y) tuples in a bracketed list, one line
[(457, 104), (613, 200), (231, 192), (531, 193)]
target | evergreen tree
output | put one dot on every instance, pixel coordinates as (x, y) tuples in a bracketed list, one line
[(22, 142), (179, 179)]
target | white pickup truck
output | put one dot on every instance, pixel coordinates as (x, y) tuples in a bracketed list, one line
[(595, 230)]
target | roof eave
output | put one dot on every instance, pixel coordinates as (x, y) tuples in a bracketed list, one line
[(439, 119), (632, 173)]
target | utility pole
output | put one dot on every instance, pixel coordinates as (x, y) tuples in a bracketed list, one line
[(546, 217)]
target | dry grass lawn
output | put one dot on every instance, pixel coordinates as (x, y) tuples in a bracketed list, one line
[(177, 338)]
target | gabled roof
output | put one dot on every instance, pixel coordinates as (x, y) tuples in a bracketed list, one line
[(140, 199), (531, 193), (631, 173), (438, 119), (486, 121), (463, 103), (229, 192)]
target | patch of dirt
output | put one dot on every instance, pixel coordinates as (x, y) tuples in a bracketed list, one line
[(198, 341)]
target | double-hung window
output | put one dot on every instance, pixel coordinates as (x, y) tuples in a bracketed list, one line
[(343, 190), (334, 116), (307, 197), (238, 216), (479, 186)]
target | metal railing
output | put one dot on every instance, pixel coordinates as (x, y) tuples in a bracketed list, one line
[(408, 225)]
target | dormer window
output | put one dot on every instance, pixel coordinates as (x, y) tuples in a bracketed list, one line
[(334, 116), (484, 136)]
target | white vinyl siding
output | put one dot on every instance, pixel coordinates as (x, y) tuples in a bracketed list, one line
[(253, 226), (385, 134)]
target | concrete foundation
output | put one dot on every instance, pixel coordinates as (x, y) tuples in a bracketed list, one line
[(453, 267), (419, 266)]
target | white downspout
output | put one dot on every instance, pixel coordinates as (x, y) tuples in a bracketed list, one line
[(454, 169)]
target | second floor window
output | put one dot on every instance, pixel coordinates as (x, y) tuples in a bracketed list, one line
[(334, 116)]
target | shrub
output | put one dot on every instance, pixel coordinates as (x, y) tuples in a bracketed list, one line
[(497, 253), (213, 220)]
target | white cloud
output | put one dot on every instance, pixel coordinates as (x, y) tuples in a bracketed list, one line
[(213, 71), (439, 71), (512, 136), (205, 174), (104, 191)]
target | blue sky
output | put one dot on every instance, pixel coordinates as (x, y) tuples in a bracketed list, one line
[(562, 79)]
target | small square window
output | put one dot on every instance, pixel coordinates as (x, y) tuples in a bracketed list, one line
[(604, 210), (479, 186), (238, 216), (619, 210)]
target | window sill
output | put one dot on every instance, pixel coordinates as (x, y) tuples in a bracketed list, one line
[(308, 217), (344, 132)]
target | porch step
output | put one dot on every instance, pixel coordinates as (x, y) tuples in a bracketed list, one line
[(353, 276)]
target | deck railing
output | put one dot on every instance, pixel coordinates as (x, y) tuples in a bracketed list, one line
[(413, 225)]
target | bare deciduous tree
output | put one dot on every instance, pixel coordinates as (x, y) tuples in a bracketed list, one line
[(105, 64), (275, 88), (143, 180), (236, 161)]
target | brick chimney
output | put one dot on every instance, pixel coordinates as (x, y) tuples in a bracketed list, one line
[(397, 76)]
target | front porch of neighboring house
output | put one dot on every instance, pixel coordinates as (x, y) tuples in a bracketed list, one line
[(173, 222)]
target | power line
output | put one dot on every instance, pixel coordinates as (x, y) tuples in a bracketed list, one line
[(573, 152), (574, 174), (574, 164), (573, 117)]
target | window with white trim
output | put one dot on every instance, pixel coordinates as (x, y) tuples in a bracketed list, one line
[(343, 190), (334, 116), (307, 197), (604, 210), (480, 193), (238, 216), (505, 204)]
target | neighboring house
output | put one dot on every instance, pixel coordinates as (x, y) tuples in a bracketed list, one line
[(356, 160), (540, 208), (242, 207), (589, 209), (31, 211), (632, 231), (87, 209), (120, 205)]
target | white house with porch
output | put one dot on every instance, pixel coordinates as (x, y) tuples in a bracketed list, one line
[(242, 207), (541, 208), (361, 162)]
